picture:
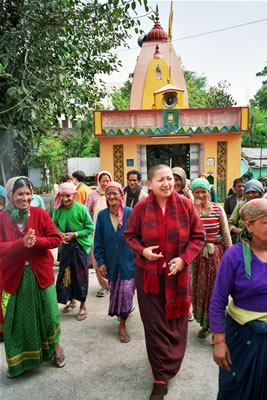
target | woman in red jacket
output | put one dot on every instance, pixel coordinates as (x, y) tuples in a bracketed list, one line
[(29, 302)]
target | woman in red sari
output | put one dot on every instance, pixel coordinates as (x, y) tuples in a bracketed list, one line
[(165, 232), (31, 316)]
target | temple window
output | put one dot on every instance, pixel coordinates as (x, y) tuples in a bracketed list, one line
[(158, 73)]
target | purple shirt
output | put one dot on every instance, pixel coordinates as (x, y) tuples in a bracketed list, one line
[(231, 280)]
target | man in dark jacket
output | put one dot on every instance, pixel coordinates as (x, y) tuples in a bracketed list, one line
[(232, 200)]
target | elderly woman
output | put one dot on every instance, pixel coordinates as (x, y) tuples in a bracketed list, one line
[(75, 227), (166, 234), (240, 340), (181, 184), (95, 202), (114, 258), (206, 264), (253, 189), (31, 315)]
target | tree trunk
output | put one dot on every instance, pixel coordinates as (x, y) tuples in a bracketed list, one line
[(3, 170)]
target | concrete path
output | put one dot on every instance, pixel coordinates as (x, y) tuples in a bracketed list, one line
[(99, 367)]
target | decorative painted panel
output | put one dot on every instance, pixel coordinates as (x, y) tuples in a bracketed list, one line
[(221, 170), (171, 122), (118, 163)]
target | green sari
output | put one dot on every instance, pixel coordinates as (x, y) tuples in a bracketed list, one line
[(31, 324)]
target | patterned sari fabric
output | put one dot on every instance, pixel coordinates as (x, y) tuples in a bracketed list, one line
[(121, 297), (32, 324), (207, 263), (72, 280), (248, 348), (204, 276)]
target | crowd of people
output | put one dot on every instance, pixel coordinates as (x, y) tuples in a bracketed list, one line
[(187, 256)]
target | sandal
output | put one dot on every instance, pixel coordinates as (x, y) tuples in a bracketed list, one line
[(81, 316), (124, 337), (102, 292), (69, 308), (203, 333), (59, 357)]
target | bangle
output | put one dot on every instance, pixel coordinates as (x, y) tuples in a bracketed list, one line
[(219, 341), (76, 234)]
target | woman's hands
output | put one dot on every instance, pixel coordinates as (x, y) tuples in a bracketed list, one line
[(149, 255), (198, 205), (29, 239), (102, 270), (221, 353), (179, 265), (67, 237)]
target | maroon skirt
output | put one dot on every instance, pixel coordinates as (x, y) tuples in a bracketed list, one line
[(165, 339)]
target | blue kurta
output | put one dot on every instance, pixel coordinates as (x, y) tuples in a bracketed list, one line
[(111, 249)]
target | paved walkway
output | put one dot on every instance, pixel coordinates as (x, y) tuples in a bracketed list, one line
[(99, 367)]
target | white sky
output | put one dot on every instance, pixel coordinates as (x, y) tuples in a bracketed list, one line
[(234, 55)]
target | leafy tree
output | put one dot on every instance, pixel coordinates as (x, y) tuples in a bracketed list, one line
[(197, 89), (76, 142), (261, 95), (201, 96), (47, 154), (121, 97), (257, 134), (82, 143), (92, 149), (218, 96), (51, 52)]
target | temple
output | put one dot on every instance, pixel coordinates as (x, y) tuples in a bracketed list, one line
[(160, 128)]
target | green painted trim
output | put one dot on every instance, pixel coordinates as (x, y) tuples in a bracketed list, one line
[(167, 130)]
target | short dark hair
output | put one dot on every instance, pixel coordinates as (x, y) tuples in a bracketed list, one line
[(154, 169), (65, 178), (238, 180), (79, 175), (134, 172)]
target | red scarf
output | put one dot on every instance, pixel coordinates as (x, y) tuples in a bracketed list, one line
[(170, 233)]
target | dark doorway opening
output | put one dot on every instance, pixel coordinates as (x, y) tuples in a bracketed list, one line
[(174, 155)]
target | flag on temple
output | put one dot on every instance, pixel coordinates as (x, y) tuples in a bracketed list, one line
[(170, 24)]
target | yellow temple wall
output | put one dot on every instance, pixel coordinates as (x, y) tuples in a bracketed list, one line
[(152, 84), (209, 141)]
